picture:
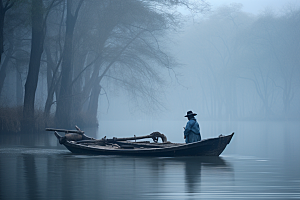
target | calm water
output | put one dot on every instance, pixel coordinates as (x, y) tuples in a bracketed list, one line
[(261, 162)]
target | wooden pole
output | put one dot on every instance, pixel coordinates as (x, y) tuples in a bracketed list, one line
[(65, 131)]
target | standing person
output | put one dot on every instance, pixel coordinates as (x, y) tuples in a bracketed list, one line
[(192, 129)]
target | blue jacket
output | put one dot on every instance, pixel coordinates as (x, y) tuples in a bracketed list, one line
[(192, 131)]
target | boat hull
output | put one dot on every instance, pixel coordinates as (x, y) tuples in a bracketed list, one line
[(207, 147)]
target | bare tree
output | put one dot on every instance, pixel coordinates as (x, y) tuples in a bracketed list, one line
[(129, 41), (105, 34), (64, 103), (3, 8), (39, 18)]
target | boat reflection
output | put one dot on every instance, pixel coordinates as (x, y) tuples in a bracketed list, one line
[(30, 175), (58, 174), (196, 167), (193, 168)]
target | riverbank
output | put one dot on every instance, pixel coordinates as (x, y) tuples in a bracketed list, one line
[(11, 117), (10, 120)]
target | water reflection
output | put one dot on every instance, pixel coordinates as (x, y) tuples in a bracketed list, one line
[(39, 173), (192, 176), (193, 170), (57, 174), (30, 175)]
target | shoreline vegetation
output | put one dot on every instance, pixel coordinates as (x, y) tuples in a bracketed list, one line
[(10, 120), (11, 117)]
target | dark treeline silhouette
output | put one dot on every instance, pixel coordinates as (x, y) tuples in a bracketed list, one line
[(66, 52)]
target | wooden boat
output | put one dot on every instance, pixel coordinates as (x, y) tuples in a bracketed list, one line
[(77, 142)]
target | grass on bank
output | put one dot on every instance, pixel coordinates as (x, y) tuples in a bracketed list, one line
[(10, 120)]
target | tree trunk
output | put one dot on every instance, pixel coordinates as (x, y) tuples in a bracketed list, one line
[(4, 66), (64, 103), (287, 95), (38, 34), (2, 14), (51, 84), (19, 84), (19, 88), (3, 10), (93, 105)]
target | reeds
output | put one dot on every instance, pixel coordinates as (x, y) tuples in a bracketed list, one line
[(10, 120)]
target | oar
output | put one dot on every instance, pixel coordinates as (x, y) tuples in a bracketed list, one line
[(66, 131)]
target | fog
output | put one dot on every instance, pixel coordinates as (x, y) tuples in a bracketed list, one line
[(257, 6), (232, 61), (238, 63)]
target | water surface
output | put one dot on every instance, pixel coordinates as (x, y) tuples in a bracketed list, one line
[(261, 162)]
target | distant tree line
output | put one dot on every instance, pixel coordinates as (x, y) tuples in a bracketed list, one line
[(65, 52), (248, 66)]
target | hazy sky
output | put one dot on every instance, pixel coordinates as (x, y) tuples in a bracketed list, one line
[(256, 6)]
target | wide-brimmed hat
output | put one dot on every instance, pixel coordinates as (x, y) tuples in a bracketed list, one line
[(190, 113)]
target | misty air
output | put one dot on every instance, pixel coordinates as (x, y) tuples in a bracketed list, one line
[(149, 99)]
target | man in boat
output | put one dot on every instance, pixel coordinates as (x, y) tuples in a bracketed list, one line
[(192, 129)]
